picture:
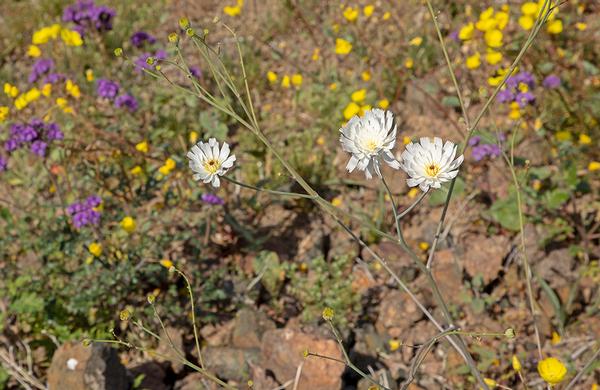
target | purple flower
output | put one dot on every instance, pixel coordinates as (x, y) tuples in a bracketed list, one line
[(141, 62), (40, 67), (195, 72), (53, 78), (128, 101), (524, 98), (212, 199), (3, 163), (53, 132), (86, 14), (525, 78), (11, 145), (39, 147), (107, 89), (138, 39), (551, 82), (474, 140), (479, 152), (83, 213), (505, 95)]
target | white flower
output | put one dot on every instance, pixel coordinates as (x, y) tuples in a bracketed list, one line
[(429, 164), (72, 364), (368, 139), (209, 162)]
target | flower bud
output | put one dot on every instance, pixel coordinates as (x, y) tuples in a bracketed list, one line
[(173, 37), (118, 52), (190, 32), (328, 314), (509, 333), (184, 23)]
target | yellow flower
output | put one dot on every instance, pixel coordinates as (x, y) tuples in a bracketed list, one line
[(142, 147), (335, 28), (32, 95), (490, 382), (423, 245), (336, 202), (285, 82), (555, 338), (581, 26), (487, 14), (593, 166), (71, 37), (11, 90), (351, 14), (62, 104), (552, 370), (234, 10), (366, 75), (271, 76), (413, 192), (167, 167), (516, 363), (409, 63), (537, 184), (394, 344), (193, 137), (351, 110), (530, 8), (466, 32), (368, 10), (95, 249), (333, 86), (555, 26), (493, 57), (33, 51), (502, 19), (486, 24), (538, 124), (89, 75), (494, 80), (166, 263), (297, 79), (387, 15), (316, 54), (321, 140), (3, 113), (364, 109), (526, 22), (72, 89), (44, 34), (383, 104), (563, 136), (584, 139), (128, 224), (359, 95), (474, 61), (137, 170), (406, 140), (416, 41), (342, 46), (493, 38)]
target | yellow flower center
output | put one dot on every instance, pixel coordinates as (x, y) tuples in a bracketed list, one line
[(211, 166), (432, 169)]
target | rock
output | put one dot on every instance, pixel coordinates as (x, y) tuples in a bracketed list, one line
[(397, 313), (154, 376), (261, 380), (230, 363), (217, 334), (447, 275), (96, 367), (165, 348), (282, 353), (398, 260), (249, 327), (556, 268), (194, 381), (483, 256), (367, 346)]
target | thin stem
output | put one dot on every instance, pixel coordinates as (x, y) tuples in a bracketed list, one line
[(196, 339), (412, 206), (592, 360), (283, 193)]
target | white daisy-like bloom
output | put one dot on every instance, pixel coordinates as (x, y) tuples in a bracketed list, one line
[(208, 161), (72, 364), (429, 164), (370, 139)]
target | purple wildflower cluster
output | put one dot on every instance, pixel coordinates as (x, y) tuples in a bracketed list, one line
[(40, 68), (551, 82), (53, 78), (84, 213), (138, 39), (87, 15), (518, 89), (482, 150), (3, 163), (36, 135), (110, 90), (212, 199)]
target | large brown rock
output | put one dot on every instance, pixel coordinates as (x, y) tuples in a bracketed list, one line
[(397, 313), (283, 351), (483, 255), (96, 367), (249, 327), (230, 363)]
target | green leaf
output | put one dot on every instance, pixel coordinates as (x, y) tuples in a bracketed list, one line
[(267, 266), (438, 197), (556, 198), (554, 300), (505, 212), (540, 173), (450, 101)]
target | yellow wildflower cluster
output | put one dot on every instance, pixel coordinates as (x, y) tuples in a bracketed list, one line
[(529, 13), (342, 46), (286, 81), (63, 104), (25, 98), (491, 23), (53, 32), (128, 224), (234, 10), (357, 105), (10, 90), (167, 167), (72, 89), (3, 113)]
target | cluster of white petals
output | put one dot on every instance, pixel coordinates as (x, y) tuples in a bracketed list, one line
[(208, 161)]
